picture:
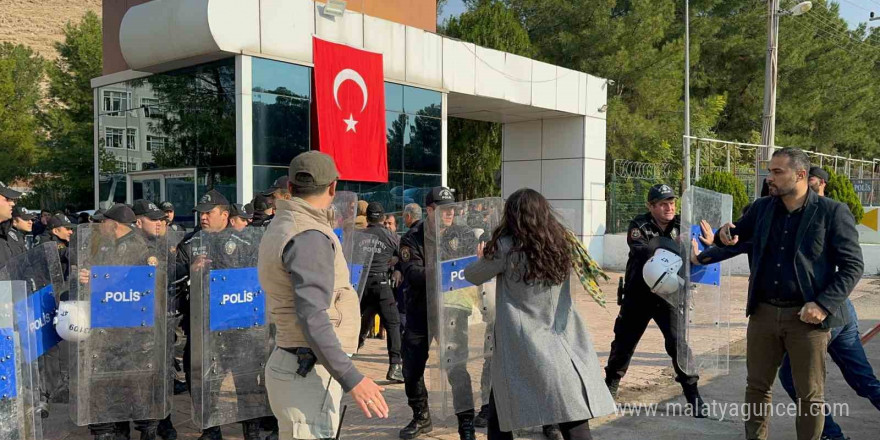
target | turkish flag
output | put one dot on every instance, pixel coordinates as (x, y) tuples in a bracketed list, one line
[(350, 101)]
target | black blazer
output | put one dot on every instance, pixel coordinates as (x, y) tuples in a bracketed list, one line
[(828, 261)]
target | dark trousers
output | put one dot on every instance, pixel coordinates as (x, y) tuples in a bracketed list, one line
[(578, 430), (633, 319), (379, 298), (847, 352), (772, 332), (415, 356), (123, 427)]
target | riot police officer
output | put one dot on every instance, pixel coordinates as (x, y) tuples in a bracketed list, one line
[(378, 296), (213, 210), (118, 244), (264, 211), (23, 226), (59, 230), (239, 217), (640, 305), (168, 209), (10, 245), (416, 338)]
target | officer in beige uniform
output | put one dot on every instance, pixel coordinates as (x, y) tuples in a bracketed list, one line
[(314, 308)]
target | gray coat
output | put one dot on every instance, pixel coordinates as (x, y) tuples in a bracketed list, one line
[(544, 369)]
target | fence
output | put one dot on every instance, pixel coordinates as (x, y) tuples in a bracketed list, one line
[(631, 180)]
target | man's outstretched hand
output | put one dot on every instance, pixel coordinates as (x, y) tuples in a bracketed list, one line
[(369, 397)]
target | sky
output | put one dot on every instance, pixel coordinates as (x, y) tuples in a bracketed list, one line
[(853, 11)]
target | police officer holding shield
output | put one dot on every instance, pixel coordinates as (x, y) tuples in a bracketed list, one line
[(416, 338), (23, 226), (378, 296), (640, 305), (168, 209)]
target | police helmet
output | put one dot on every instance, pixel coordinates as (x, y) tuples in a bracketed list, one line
[(661, 272), (73, 321)]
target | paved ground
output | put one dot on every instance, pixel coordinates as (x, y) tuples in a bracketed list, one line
[(649, 381)]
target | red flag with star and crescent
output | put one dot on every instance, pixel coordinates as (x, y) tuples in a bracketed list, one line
[(350, 101)]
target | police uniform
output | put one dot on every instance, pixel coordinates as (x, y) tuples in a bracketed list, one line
[(10, 244), (417, 337), (167, 207), (378, 295), (225, 248), (640, 305)]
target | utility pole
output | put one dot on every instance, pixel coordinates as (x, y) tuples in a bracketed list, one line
[(768, 129), (686, 150)]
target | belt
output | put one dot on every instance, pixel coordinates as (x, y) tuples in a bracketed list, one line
[(297, 350), (775, 302)]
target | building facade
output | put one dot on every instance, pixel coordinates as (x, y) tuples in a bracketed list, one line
[(216, 94)]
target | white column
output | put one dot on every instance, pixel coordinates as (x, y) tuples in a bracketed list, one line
[(96, 106), (444, 137), (244, 157)]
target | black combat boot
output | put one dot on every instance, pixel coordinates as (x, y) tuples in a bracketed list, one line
[(250, 429), (466, 425), (694, 401), (148, 433), (166, 430), (395, 373), (211, 434), (420, 424), (552, 432), (612, 385), (482, 419)]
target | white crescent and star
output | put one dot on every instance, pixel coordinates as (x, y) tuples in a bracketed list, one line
[(350, 75)]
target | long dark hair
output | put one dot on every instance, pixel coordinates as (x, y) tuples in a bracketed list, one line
[(529, 220)]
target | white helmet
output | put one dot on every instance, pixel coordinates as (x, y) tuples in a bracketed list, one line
[(661, 272), (73, 321)]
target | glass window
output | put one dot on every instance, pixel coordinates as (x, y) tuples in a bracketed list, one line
[(115, 101), (394, 97), (155, 142), (397, 125), (131, 139), (264, 177), (423, 152), (132, 166), (220, 178), (113, 137), (422, 102), (280, 128), (390, 194), (151, 107), (418, 186), (281, 78)]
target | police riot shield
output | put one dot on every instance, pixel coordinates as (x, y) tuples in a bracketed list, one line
[(40, 269), (362, 250), (175, 290), (20, 416), (229, 329), (704, 301), (460, 315), (345, 212), (120, 368)]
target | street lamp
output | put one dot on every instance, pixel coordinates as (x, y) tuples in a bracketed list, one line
[(768, 130)]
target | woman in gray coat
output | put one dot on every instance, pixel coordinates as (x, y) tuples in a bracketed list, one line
[(544, 368)]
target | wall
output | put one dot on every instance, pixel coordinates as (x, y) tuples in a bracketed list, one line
[(420, 14)]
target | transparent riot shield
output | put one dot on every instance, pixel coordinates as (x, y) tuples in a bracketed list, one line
[(177, 336), (120, 372), (460, 315), (20, 416), (229, 329), (345, 212), (704, 301), (41, 271), (363, 248)]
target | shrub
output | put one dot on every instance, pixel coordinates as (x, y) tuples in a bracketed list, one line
[(726, 183), (840, 188)]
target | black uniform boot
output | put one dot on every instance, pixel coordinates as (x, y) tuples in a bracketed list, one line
[(212, 434), (166, 430), (466, 429), (395, 373), (250, 430), (612, 385), (482, 419), (148, 433), (420, 424), (696, 403)]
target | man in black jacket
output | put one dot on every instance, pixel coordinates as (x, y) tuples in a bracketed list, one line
[(806, 261)]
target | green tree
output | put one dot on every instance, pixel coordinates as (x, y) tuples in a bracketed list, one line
[(20, 135), (70, 117), (840, 188), (475, 146), (726, 183)]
